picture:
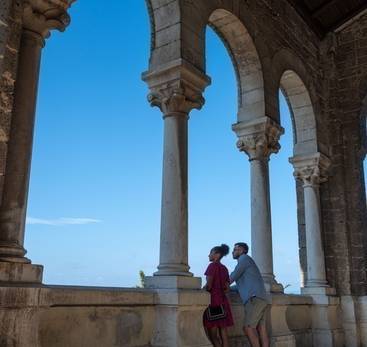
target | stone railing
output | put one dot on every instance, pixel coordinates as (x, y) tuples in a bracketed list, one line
[(59, 316)]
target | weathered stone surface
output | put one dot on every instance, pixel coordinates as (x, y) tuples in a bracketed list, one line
[(24, 40), (20, 273), (271, 47)]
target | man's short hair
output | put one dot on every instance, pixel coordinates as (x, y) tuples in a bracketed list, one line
[(243, 245)]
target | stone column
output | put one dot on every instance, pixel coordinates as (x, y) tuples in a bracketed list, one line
[(311, 170), (259, 139), (362, 319), (39, 17), (176, 91)]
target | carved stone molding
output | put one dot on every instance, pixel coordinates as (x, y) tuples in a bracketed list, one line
[(176, 88), (258, 138), (42, 16), (311, 169)]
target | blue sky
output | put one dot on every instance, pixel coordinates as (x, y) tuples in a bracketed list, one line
[(94, 202)]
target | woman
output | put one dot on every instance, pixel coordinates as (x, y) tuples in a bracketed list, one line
[(217, 284)]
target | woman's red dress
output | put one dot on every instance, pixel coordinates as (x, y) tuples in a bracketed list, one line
[(217, 295)]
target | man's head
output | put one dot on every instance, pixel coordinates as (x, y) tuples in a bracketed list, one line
[(239, 249)]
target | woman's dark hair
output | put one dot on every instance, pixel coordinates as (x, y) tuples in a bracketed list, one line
[(222, 250)]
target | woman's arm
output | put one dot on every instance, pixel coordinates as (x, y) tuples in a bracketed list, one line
[(226, 287), (209, 283)]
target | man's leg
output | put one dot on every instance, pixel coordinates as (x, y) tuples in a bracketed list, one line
[(264, 338), (252, 335), (250, 323), (261, 328), (255, 314)]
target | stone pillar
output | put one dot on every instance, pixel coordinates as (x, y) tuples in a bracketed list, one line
[(327, 322), (176, 91), (39, 17), (362, 319), (311, 170), (349, 318), (259, 139)]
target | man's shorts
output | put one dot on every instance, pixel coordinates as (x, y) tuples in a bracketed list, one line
[(255, 312)]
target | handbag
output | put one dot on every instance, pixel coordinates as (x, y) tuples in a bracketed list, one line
[(214, 313)]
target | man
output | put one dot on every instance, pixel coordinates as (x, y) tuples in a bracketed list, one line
[(251, 288)]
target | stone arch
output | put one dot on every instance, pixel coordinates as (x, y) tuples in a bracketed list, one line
[(292, 80), (152, 25), (363, 117), (165, 24), (303, 117), (291, 77), (176, 23), (246, 62)]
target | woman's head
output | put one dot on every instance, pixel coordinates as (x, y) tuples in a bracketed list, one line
[(218, 252)]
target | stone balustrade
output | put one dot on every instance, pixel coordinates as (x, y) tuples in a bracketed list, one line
[(60, 316)]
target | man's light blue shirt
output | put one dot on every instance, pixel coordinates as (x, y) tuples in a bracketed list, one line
[(248, 279)]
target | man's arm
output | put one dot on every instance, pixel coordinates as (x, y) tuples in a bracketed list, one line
[(238, 271)]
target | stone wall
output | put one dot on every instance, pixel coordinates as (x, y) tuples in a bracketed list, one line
[(76, 317), (60, 316), (96, 317), (10, 29), (344, 198)]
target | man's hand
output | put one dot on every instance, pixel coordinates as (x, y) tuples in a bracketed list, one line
[(233, 288)]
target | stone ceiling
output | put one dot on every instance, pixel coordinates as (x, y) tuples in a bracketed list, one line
[(324, 16)]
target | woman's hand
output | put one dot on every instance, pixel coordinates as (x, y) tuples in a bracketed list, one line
[(226, 288)]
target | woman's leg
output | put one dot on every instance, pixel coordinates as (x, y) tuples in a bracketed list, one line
[(207, 333), (224, 337), (213, 336)]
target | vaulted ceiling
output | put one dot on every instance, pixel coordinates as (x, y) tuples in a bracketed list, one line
[(327, 15)]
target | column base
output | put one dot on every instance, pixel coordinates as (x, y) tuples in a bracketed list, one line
[(326, 317), (13, 253), (173, 270), (11, 273), (349, 319), (271, 285), (172, 282), (276, 288), (318, 291), (362, 319), (179, 319)]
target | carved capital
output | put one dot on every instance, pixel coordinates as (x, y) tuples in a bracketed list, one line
[(311, 169), (309, 175), (176, 88), (175, 100), (258, 138), (42, 16)]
